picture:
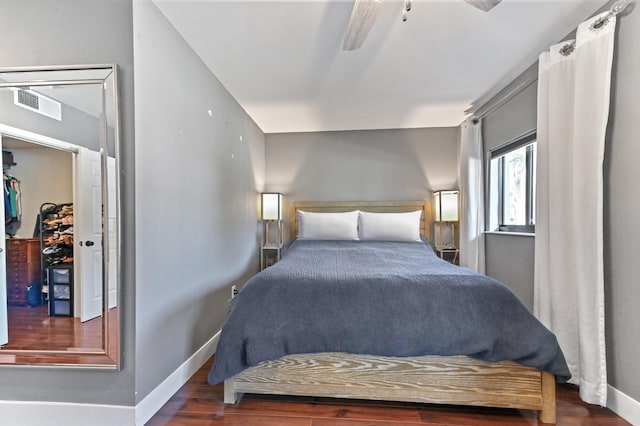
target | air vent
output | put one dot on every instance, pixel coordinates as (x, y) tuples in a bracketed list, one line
[(28, 99), (36, 102)]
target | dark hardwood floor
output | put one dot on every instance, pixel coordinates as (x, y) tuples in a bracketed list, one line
[(198, 403), (31, 328), (37, 338)]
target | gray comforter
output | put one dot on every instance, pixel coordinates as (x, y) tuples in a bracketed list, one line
[(379, 298)]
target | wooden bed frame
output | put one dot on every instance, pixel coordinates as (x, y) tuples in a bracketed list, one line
[(458, 380)]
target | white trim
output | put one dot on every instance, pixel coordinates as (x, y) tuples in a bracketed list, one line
[(516, 234), (623, 405), (28, 413), (151, 403), (37, 138), (32, 413)]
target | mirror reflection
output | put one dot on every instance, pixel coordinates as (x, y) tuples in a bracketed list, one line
[(59, 258)]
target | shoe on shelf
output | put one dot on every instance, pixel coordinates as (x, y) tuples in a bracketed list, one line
[(66, 239), (52, 249)]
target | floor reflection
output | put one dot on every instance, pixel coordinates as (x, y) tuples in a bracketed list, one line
[(31, 328)]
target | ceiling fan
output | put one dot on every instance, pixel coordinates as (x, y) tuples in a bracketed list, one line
[(364, 14)]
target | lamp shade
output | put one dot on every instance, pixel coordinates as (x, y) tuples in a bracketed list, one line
[(446, 206), (271, 206)]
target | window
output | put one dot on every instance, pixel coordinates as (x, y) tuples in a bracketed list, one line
[(513, 184)]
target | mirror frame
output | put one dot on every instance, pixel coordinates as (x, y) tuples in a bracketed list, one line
[(110, 357)]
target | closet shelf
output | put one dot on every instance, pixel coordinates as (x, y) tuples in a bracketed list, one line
[(56, 250)]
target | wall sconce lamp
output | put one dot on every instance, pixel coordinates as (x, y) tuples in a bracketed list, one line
[(446, 211)]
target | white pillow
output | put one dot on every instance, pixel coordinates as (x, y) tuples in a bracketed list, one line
[(327, 226), (390, 226)]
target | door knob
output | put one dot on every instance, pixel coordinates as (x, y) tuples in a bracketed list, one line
[(89, 243)]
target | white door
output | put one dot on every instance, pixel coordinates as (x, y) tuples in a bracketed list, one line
[(4, 329), (88, 233), (112, 261)]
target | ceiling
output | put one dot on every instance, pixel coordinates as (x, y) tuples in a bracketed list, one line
[(283, 60)]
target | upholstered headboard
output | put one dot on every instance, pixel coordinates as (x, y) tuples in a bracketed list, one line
[(368, 206)]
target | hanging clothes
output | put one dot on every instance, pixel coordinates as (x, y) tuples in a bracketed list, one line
[(12, 204)]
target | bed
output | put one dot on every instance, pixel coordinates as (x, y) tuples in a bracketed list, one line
[(321, 346)]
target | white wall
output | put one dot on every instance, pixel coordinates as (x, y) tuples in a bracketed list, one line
[(200, 164), (362, 165), (46, 176)]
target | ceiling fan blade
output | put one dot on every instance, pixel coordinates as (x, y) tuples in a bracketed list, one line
[(363, 16), (485, 5)]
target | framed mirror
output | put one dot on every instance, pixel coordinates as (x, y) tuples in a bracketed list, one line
[(59, 260)]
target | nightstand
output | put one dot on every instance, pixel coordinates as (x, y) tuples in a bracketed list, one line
[(269, 255), (451, 255)]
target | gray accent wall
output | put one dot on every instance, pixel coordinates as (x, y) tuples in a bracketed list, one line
[(621, 209), (64, 32), (509, 258), (200, 167), (622, 212), (76, 127), (198, 189), (362, 165)]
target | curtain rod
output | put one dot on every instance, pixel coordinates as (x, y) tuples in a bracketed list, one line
[(615, 9), (506, 97)]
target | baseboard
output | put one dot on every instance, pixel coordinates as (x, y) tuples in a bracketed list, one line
[(151, 403), (33, 413), (75, 414), (623, 405), (36, 413)]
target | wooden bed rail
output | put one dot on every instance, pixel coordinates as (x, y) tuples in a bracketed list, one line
[(455, 380)]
